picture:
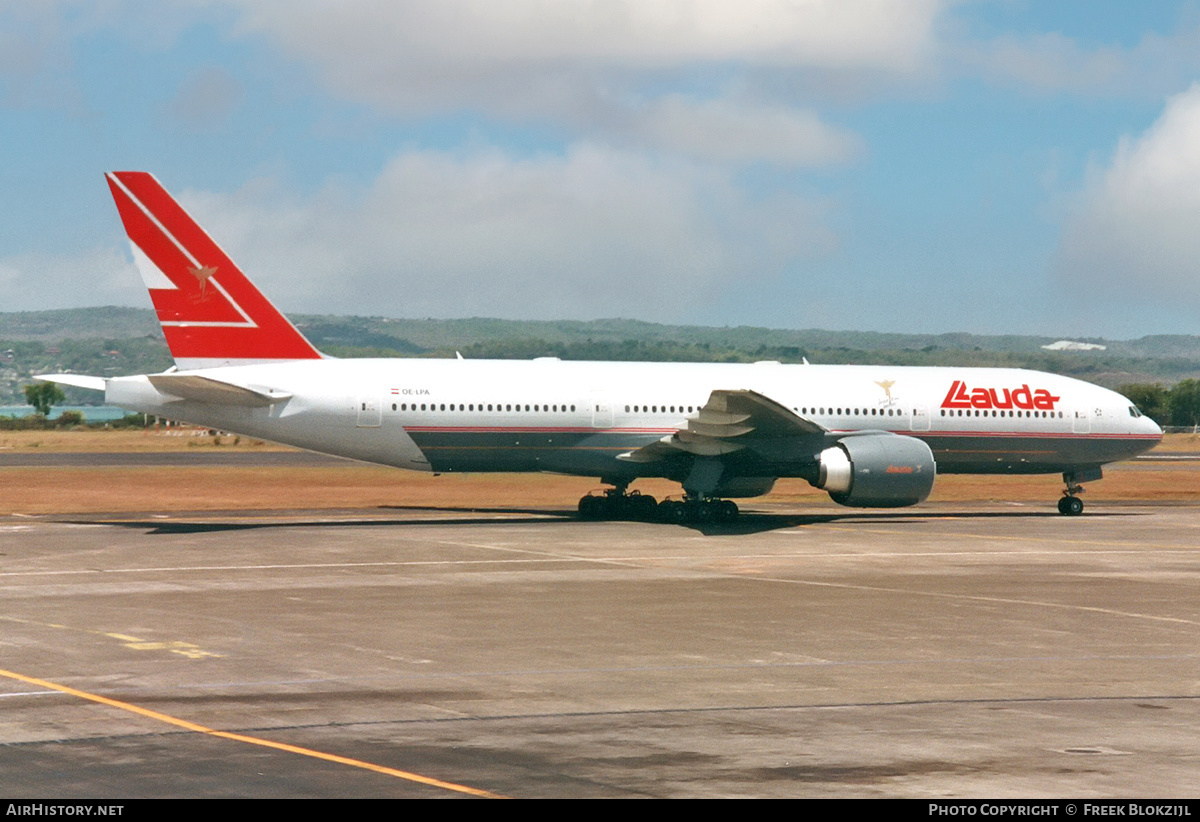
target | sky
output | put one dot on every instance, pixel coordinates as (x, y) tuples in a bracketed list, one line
[(922, 166)]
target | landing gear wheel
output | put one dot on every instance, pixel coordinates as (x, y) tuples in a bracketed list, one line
[(591, 507), (1070, 506), (616, 504), (696, 511), (727, 510), (674, 511), (641, 507)]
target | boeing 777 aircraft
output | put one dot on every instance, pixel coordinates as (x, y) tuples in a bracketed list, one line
[(871, 436)]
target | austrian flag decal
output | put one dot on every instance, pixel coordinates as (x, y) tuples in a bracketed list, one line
[(960, 396)]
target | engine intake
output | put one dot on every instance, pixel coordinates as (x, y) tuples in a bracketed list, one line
[(877, 471)]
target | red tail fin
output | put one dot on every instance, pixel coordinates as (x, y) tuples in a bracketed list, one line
[(211, 313)]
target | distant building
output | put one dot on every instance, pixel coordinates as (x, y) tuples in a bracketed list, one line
[(1071, 345)]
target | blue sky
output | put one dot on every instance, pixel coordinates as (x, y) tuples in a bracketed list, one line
[(895, 165)]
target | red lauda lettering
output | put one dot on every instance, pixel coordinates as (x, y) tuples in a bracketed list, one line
[(1042, 400), (1007, 402), (959, 396)]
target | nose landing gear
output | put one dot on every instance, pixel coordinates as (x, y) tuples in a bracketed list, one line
[(1071, 505)]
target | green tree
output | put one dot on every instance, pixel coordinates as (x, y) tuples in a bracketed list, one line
[(43, 395), (1150, 398), (1184, 402)]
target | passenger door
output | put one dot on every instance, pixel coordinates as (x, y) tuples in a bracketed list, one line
[(602, 413), (370, 412)]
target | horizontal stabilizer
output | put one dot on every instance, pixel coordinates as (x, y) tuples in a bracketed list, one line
[(216, 392), (75, 380)]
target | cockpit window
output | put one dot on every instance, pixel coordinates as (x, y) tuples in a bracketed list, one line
[(1134, 412)]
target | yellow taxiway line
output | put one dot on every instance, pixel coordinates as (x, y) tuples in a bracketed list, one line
[(251, 740)]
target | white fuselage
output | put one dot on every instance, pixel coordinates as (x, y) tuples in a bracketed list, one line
[(578, 417)]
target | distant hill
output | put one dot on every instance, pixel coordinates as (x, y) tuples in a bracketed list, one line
[(78, 323), (113, 340)]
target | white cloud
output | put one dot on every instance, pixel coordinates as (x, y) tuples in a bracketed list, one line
[(1047, 62), (593, 233), (40, 43), (33, 281), (368, 44), (1051, 62), (609, 70), (725, 131), (206, 99), (1136, 228), (34, 56)]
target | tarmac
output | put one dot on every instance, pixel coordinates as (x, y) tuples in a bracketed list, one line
[(949, 650)]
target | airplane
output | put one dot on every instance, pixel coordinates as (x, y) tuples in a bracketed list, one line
[(871, 436)]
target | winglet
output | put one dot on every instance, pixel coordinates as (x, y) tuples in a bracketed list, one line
[(211, 314)]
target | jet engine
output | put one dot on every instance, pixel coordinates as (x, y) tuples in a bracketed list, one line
[(877, 471)]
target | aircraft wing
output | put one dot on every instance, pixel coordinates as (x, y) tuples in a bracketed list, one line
[(726, 424)]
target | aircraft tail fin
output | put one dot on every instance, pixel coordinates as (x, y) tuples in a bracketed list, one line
[(211, 313)]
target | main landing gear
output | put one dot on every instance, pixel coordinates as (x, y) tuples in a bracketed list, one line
[(696, 510), (1070, 504), (616, 504)]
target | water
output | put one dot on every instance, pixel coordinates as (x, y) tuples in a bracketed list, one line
[(91, 413)]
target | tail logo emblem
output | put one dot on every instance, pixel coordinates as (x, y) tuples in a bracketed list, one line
[(203, 273), (211, 313)]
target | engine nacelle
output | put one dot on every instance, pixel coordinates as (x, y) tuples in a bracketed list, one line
[(877, 471)]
